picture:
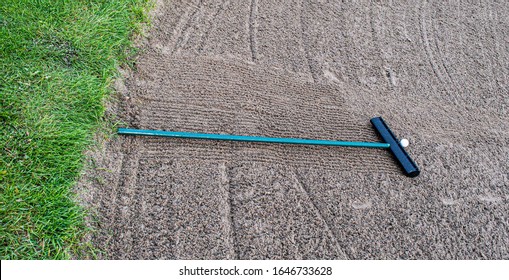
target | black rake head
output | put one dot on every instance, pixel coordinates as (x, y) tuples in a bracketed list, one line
[(405, 161)]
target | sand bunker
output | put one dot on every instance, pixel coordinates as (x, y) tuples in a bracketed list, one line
[(438, 73)]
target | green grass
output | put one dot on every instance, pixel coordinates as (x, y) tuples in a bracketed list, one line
[(57, 62)]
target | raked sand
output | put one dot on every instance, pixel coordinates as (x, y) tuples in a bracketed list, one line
[(437, 72)]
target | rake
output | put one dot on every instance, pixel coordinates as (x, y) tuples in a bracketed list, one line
[(392, 144)]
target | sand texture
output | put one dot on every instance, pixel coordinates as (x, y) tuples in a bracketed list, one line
[(437, 72)]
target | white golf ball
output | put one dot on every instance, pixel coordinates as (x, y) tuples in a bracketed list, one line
[(404, 143)]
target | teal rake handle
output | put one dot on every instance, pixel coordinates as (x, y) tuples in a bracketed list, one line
[(192, 135)]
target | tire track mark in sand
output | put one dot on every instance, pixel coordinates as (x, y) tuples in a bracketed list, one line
[(168, 30), (503, 79), (427, 47), (211, 24), (274, 219), (389, 75), (328, 227), (441, 58), (435, 63), (125, 192), (253, 13), (184, 30), (230, 230), (305, 42), (491, 52)]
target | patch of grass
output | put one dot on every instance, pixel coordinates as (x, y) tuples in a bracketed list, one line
[(57, 61)]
